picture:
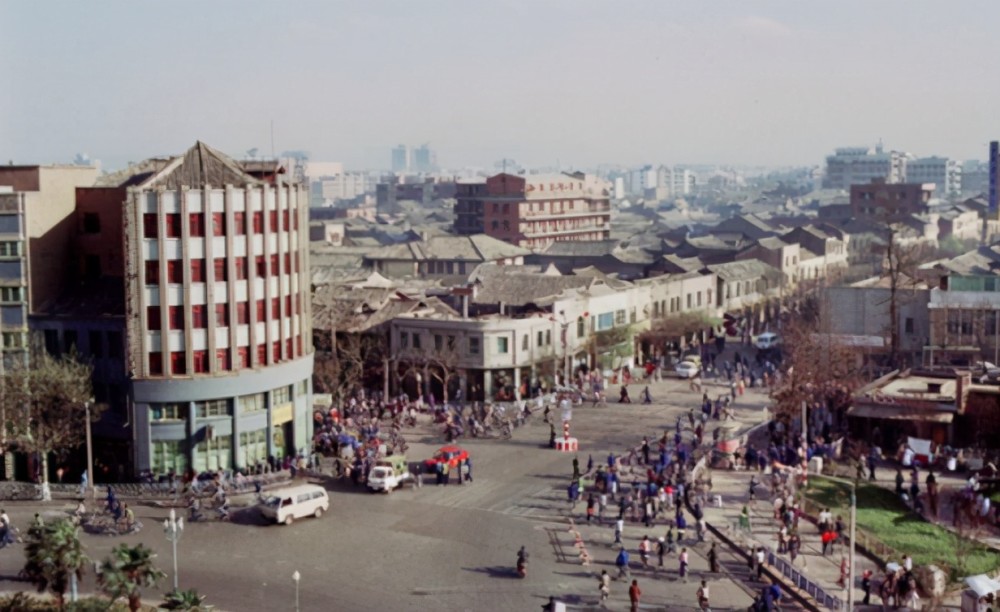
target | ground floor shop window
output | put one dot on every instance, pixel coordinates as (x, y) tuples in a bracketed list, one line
[(167, 455), (253, 447), (278, 438), (214, 454)]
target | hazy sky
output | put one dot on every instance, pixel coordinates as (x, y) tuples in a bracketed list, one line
[(581, 82)]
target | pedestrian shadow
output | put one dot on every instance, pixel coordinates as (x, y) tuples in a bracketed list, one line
[(496, 571)]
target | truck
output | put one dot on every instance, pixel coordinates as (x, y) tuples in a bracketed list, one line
[(388, 473)]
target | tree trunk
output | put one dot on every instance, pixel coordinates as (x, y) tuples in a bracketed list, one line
[(134, 602)]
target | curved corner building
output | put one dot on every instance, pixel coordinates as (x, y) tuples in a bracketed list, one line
[(218, 347)]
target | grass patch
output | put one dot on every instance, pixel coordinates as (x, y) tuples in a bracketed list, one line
[(884, 516)]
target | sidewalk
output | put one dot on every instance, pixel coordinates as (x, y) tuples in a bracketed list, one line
[(823, 570)]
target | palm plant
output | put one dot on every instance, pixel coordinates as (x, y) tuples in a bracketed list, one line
[(189, 601), (54, 554), (127, 571)]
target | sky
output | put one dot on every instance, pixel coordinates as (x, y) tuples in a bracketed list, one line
[(575, 83)]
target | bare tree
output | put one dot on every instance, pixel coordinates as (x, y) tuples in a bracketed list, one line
[(344, 361), (899, 266), (44, 403), (442, 363)]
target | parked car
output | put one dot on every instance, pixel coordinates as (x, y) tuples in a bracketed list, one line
[(767, 340), (451, 454), (687, 369)]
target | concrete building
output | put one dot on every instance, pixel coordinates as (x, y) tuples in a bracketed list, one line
[(946, 174), (204, 316), (535, 210), (13, 280), (854, 165), (469, 206), (675, 182), (884, 200), (443, 256), (330, 189), (400, 159), (424, 159)]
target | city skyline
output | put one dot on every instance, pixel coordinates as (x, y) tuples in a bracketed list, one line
[(573, 84)]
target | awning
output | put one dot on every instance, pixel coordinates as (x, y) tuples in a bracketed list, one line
[(982, 584), (899, 413)]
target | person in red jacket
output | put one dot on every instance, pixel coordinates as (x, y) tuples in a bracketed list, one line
[(633, 594)]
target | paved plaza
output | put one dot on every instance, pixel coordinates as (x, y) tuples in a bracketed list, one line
[(444, 547)]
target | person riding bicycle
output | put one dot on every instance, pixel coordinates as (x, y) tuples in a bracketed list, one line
[(223, 508), (194, 509)]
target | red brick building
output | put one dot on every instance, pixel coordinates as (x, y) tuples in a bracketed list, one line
[(535, 210), (881, 199)]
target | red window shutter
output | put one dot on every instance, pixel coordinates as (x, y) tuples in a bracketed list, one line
[(156, 364), (276, 350), (222, 359), (222, 315), (239, 224), (261, 354), (153, 272), (221, 270), (243, 357), (258, 223), (261, 266), (241, 268), (288, 263), (261, 310), (218, 224), (275, 308), (243, 313), (173, 225), (197, 270), (200, 365), (272, 220), (150, 226), (175, 271), (176, 316), (196, 225), (198, 319), (178, 363), (274, 265)]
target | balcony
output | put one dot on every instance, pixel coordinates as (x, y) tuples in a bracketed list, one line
[(565, 232), (545, 215)]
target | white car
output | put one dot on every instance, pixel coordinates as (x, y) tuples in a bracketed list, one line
[(767, 340), (687, 369)]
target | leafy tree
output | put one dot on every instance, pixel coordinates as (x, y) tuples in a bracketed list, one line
[(53, 555), (188, 600), (127, 571), (43, 406)]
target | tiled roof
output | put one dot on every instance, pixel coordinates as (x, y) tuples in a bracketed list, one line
[(477, 248), (200, 165), (746, 269), (499, 284)]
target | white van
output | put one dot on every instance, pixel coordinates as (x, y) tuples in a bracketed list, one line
[(285, 505)]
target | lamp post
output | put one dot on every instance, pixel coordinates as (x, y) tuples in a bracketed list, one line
[(90, 453), (173, 527), (296, 577), (854, 526)]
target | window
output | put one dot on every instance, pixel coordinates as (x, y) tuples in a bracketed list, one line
[(502, 346), (198, 318), (632, 315), (275, 351), (253, 447), (196, 225), (541, 339), (173, 225), (438, 342), (153, 318), (699, 298), (91, 223), (524, 342), (222, 315), (241, 268), (258, 223), (261, 266), (167, 456), (416, 340), (281, 395), (153, 272), (176, 317), (261, 354), (284, 220), (10, 249), (261, 310), (212, 408), (15, 340), (689, 300), (606, 320), (156, 364), (548, 337), (404, 340), (199, 361), (288, 263), (243, 313), (909, 325), (272, 220), (619, 317), (178, 362), (221, 270), (275, 307), (69, 340), (253, 403), (274, 265), (150, 226), (197, 270), (175, 274), (473, 346), (168, 412), (218, 224), (239, 224), (11, 294), (222, 360)]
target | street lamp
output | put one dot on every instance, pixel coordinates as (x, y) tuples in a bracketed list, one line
[(173, 527), (296, 577), (854, 525), (90, 454)]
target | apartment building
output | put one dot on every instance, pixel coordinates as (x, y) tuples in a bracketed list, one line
[(884, 200), (854, 165)]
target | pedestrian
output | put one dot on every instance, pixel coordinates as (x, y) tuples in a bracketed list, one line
[(842, 581), (468, 469), (871, 467), (83, 483), (681, 523), (604, 585), (827, 539), (703, 596), (619, 526), (602, 505), (866, 586), (671, 547), (590, 463), (682, 565), (644, 551), (634, 593), (661, 549), (713, 559), (759, 559), (591, 502), (899, 483), (621, 562)]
